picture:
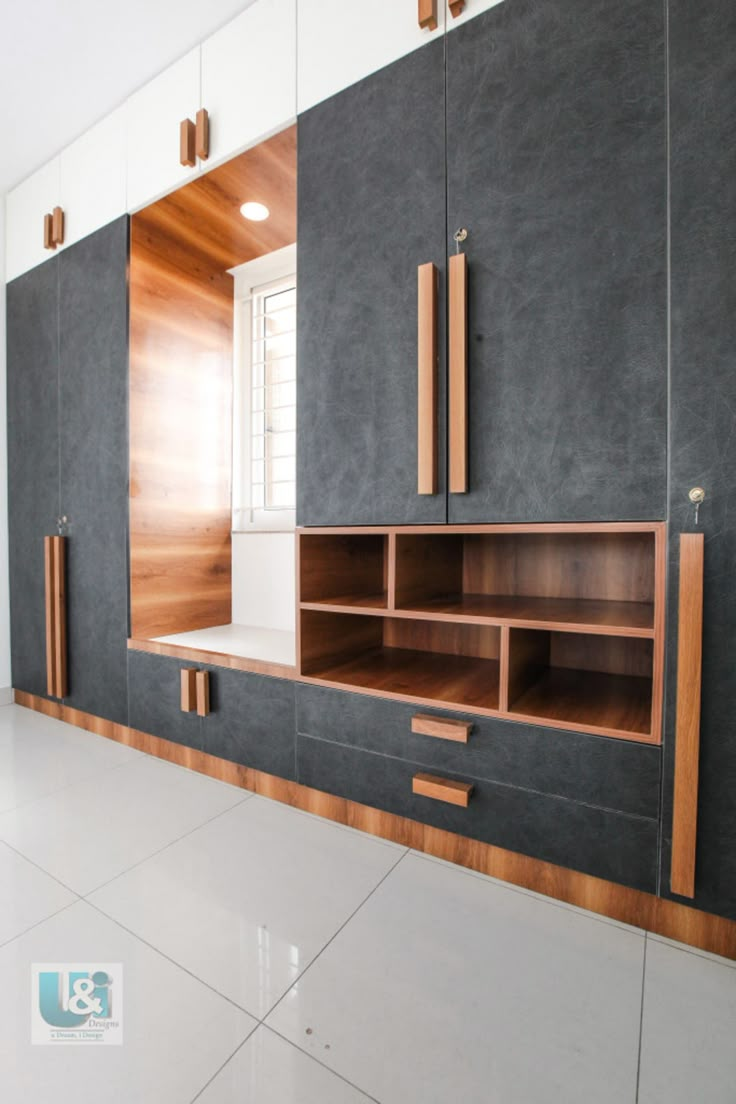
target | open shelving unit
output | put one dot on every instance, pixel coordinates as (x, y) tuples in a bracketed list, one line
[(558, 625)]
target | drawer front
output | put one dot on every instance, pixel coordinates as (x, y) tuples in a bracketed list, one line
[(612, 774), (154, 699), (595, 841), (251, 721)]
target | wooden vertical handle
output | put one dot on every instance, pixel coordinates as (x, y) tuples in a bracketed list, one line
[(187, 143), (188, 689), (687, 734), (48, 232), (203, 693), (202, 134), (57, 226), (458, 373), (456, 7), (427, 14), (56, 648), (427, 381)]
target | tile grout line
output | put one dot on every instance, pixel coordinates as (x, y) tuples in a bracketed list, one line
[(227, 1061), (641, 1019), (51, 916), (314, 1058)]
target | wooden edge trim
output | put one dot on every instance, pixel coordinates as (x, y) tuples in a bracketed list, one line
[(427, 379), (658, 915), (504, 672), (660, 603), (187, 143), (458, 373), (57, 226), (442, 789), (202, 134), (444, 728), (50, 601), (203, 693), (390, 539), (188, 689), (687, 731), (215, 659), (60, 616), (490, 528), (427, 14)]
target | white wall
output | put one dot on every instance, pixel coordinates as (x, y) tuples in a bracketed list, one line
[(4, 609), (264, 583)]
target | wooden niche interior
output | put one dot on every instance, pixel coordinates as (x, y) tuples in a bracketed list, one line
[(181, 364)]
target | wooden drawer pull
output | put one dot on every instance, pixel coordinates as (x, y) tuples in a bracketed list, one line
[(203, 693), (427, 14), (57, 226), (442, 727), (202, 134), (188, 689), (48, 232), (442, 789), (187, 143), (457, 7), (687, 734), (427, 380), (458, 373)]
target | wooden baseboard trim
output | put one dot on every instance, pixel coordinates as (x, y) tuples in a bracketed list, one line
[(630, 906)]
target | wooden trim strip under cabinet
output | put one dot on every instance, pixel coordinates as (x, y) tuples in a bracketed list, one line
[(56, 647), (458, 373), (442, 789), (687, 735), (427, 14), (444, 728), (630, 906), (427, 380)]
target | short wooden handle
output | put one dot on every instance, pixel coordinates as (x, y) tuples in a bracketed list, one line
[(203, 693), (57, 226), (458, 373), (188, 689), (444, 728), (427, 14), (48, 232), (427, 380), (187, 143), (56, 646), (202, 134), (442, 789), (687, 732), (456, 8)]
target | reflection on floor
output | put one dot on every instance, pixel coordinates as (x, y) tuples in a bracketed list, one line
[(270, 957), (249, 641)]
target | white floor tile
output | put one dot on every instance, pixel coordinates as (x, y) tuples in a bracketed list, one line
[(90, 832), (27, 895), (176, 1032), (247, 901), (445, 988), (268, 1070), (688, 1052), (40, 755)]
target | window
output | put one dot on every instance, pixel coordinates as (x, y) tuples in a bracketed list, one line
[(264, 437)]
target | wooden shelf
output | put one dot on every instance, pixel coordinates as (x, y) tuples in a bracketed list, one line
[(578, 614), (610, 704), (465, 681), (351, 603)]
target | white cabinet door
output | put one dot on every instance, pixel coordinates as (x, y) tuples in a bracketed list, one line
[(153, 117), (341, 41), (25, 208), (249, 77), (93, 173), (472, 8)]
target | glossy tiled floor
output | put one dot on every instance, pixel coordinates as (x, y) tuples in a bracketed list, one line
[(273, 958)]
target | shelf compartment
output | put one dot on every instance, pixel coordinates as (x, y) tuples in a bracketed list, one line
[(344, 570), (594, 683), (601, 582), (433, 662)]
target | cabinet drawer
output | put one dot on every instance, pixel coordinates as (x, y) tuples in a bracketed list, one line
[(595, 841), (154, 699), (612, 774), (251, 721)]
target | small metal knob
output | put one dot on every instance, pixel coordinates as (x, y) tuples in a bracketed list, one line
[(697, 495)]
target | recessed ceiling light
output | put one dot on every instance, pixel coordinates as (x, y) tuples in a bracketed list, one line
[(256, 212)]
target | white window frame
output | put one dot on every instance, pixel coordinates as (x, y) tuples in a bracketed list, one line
[(252, 276)]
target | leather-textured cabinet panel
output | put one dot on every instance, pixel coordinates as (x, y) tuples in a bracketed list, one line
[(94, 466), (154, 699), (703, 416), (371, 209), (612, 774), (33, 462), (556, 160), (251, 721), (595, 841)]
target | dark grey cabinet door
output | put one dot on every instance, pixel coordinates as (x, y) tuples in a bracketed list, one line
[(556, 161), (154, 692), (703, 427), (371, 173), (93, 310), (251, 721), (33, 462)]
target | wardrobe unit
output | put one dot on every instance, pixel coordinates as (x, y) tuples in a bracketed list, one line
[(515, 395)]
